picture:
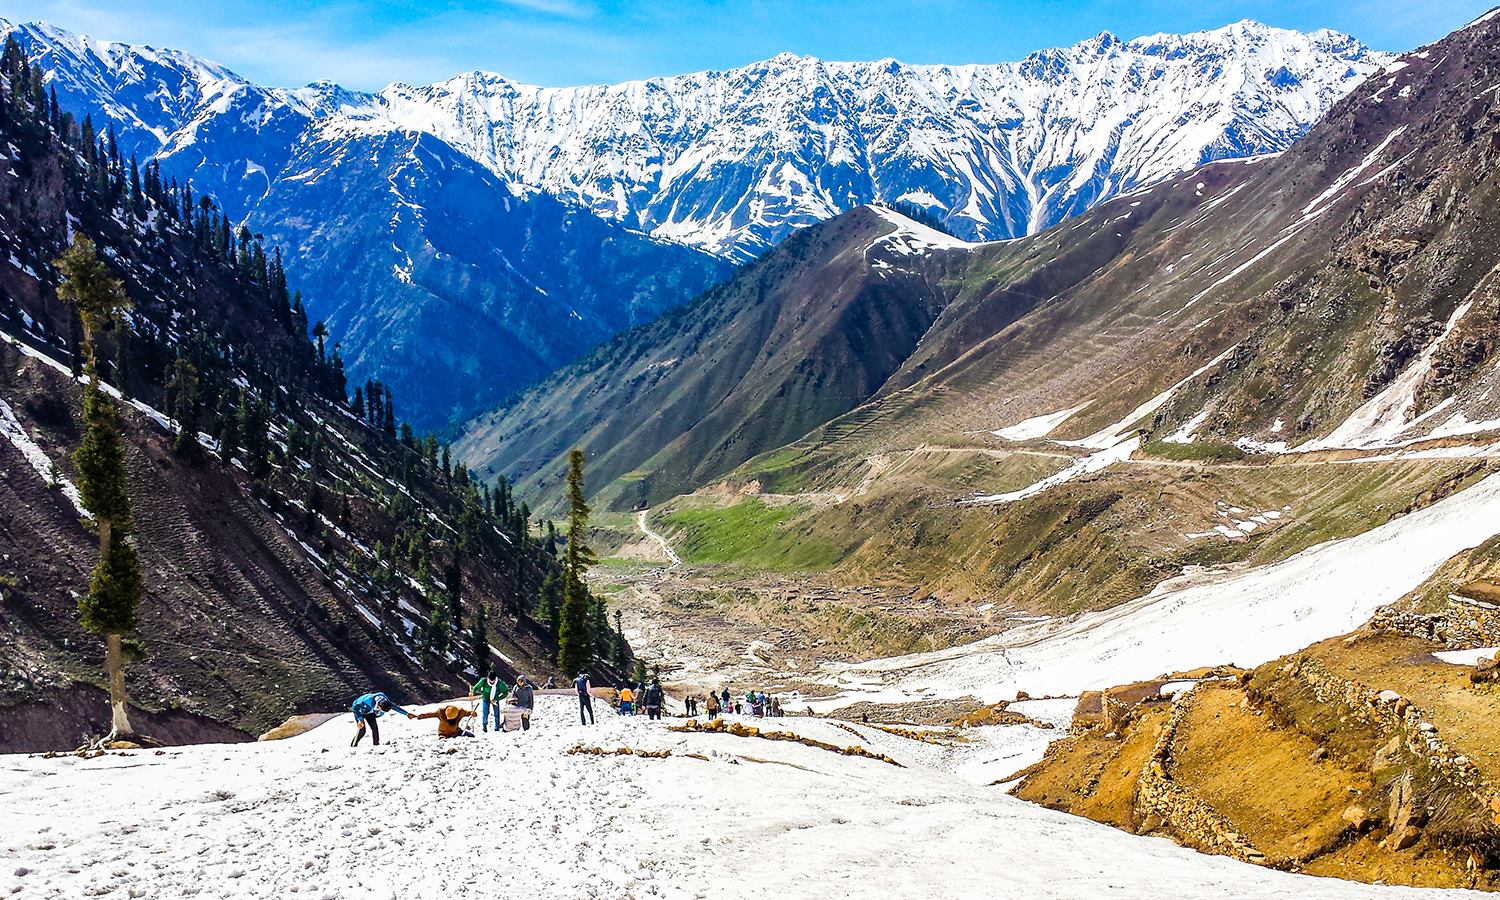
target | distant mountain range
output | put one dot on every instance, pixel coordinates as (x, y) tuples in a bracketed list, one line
[(492, 231), (1338, 298)]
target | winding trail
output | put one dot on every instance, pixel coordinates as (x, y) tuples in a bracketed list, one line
[(645, 527)]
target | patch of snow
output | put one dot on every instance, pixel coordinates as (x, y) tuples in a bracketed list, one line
[(1038, 426), (1384, 416), (1467, 657), (1094, 462), (1184, 435), (1112, 434), (37, 458)]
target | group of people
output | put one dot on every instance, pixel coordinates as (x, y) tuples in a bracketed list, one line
[(758, 703), (490, 691), (496, 701), (642, 697)]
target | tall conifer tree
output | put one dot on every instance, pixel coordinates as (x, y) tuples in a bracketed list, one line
[(109, 608), (575, 646)]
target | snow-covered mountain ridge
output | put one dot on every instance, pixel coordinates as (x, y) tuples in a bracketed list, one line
[(731, 160)]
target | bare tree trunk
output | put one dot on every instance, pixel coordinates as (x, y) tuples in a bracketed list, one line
[(114, 668)]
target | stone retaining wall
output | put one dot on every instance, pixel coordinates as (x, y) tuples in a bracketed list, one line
[(1192, 819), (1394, 715), (1464, 623)]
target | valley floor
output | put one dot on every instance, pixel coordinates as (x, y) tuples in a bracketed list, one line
[(518, 814)]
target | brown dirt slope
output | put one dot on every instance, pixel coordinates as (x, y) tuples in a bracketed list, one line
[(1362, 757)]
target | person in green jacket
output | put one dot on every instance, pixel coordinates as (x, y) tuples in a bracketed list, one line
[(491, 690)]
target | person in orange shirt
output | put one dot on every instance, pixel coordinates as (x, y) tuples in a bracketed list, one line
[(450, 721), (627, 701)]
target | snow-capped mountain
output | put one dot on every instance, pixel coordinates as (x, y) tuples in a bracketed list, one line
[(731, 160), (727, 162)]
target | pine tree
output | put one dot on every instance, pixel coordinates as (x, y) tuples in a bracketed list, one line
[(253, 422), (228, 434), (453, 580), (186, 407), (110, 606), (438, 631), (622, 646), (575, 645), (549, 603), (479, 642)]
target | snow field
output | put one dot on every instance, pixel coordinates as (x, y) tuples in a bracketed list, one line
[(515, 815), (1206, 618)]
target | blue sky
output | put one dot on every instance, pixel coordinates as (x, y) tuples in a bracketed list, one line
[(558, 42)]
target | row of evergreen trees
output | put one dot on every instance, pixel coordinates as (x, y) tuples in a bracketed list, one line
[(219, 380)]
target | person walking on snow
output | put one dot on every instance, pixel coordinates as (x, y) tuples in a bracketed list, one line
[(585, 699), (713, 705), (450, 721), (654, 699), (367, 708), (627, 701), (490, 690), (524, 698), (724, 701)]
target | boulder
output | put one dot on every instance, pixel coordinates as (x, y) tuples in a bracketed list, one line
[(1386, 758), (1403, 837), (1359, 817)]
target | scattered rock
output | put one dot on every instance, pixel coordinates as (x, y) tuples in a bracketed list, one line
[(1359, 817), (1319, 754), (1404, 838), (1484, 670)]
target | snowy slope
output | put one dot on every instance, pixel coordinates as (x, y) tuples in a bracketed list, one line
[(1245, 618), (731, 160), (516, 816)]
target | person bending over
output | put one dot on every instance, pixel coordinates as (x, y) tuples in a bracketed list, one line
[(450, 721), (366, 710)]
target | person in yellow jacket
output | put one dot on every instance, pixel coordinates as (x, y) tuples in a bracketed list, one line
[(627, 701), (450, 720)]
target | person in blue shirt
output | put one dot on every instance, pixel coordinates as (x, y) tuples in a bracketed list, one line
[(585, 699), (367, 709)]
